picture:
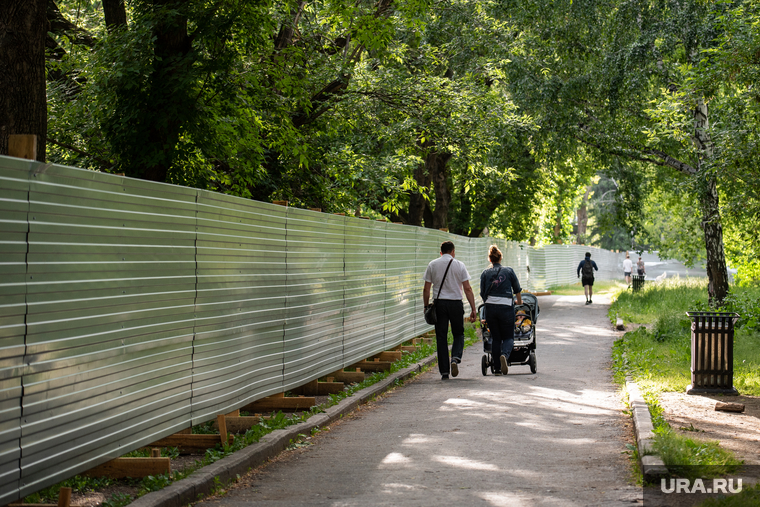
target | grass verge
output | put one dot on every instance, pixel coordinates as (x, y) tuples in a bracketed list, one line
[(658, 359)]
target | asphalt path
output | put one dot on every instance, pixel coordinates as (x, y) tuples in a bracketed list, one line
[(555, 438)]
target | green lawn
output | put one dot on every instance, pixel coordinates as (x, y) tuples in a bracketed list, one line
[(659, 358)]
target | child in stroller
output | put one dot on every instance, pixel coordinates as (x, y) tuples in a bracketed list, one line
[(524, 350)]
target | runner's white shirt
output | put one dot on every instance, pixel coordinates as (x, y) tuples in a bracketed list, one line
[(452, 287)]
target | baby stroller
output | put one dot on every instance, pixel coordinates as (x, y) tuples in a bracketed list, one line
[(524, 350)]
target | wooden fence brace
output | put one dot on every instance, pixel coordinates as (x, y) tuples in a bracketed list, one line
[(222, 422), (64, 497)]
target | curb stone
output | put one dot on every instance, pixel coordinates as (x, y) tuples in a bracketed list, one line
[(652, 466), (204, 480)]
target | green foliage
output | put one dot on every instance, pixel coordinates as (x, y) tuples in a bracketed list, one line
[(672, 225), (118, 500), (671, 296), (155, 483), (349, 107)]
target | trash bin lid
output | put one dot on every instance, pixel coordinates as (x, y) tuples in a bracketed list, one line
[(733, 316)]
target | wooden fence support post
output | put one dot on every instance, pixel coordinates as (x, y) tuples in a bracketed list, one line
[(64, 497), (22, 146), (222, 422)]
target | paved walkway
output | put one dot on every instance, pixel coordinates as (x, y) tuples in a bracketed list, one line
[(551, 439)]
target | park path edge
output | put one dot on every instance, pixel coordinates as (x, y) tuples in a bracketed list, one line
[(652, 466)]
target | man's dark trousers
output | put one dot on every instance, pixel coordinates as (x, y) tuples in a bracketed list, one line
[(449, 310)]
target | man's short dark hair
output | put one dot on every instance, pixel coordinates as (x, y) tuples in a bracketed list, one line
[(447, 247), (588, 254)]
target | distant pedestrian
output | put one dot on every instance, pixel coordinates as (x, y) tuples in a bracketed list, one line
[(448, 277), (497, 286), (627, 268), (586, 268), (640, 268)]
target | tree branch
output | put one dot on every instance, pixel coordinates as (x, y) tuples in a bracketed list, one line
[(106, 163), (59, 25), (665, 160)]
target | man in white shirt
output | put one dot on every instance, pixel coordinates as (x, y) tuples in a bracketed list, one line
[(449, 306), (627, 268)]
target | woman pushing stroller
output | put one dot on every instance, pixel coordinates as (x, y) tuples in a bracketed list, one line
[(497, 285)]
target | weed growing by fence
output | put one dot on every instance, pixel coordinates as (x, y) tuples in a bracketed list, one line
[(118, 500)]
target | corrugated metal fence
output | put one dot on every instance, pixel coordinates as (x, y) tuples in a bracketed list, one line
[(130, 310)]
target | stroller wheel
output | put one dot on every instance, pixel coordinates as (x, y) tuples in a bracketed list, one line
[(532, 362), (484, 365)]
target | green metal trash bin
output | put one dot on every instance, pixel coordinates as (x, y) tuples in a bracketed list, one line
[(638, 282), (712, 353)]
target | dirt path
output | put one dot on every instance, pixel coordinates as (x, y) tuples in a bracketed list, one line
[(555, 438)]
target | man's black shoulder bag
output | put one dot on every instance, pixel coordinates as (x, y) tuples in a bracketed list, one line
[(430, 316)]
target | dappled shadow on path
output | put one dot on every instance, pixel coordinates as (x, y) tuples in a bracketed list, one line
[(550, 439)]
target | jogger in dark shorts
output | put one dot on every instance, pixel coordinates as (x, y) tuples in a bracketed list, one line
[(587, 267)]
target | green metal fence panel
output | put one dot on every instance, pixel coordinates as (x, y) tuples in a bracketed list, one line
[(240, 303), (316, 285), (110, 293), (14, 209), (403, 288), (364, 317)]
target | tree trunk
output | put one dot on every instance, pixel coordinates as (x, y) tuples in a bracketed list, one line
[(115, 14), (170, 98), (582, 215), (418, 204), (438, 165), (23, 100), (558, 227), (717, 274)]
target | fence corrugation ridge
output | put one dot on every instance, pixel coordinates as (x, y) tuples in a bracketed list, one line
[(130, 310)]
